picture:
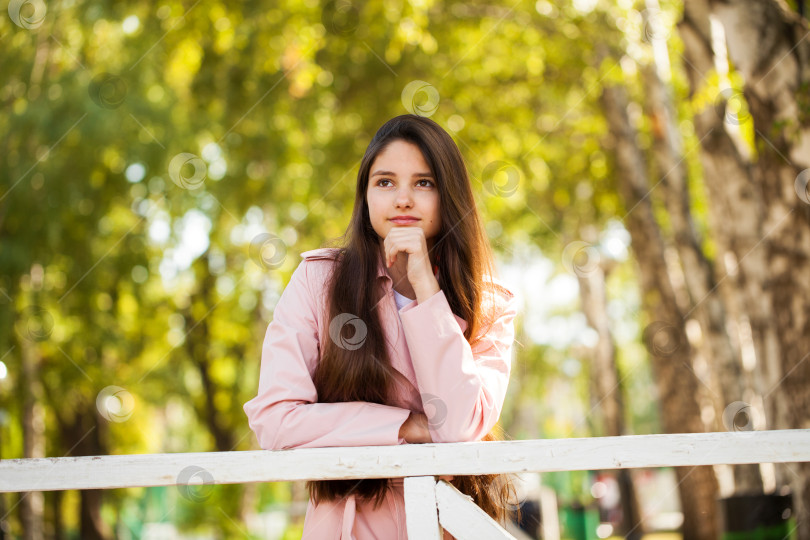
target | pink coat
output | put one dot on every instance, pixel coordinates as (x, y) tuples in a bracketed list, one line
[(425, 343)]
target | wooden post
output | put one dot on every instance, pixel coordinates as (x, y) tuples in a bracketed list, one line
[(421, 516), (462, 518)]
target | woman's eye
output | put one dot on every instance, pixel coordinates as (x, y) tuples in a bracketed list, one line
[(423, 183)]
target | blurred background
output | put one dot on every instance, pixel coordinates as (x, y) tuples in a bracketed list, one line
[(642, 167)]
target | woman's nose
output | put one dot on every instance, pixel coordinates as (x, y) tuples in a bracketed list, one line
[(404, 198)]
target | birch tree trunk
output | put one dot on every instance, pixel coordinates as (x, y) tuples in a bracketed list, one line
[(705, 302), (736, 208), (768, 45), (669, 349)]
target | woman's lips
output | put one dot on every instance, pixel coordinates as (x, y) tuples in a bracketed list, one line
[(403, 221)]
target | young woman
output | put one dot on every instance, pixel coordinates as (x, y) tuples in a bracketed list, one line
[(400, 335)]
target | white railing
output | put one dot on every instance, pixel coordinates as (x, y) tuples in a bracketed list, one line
[(429, 504)]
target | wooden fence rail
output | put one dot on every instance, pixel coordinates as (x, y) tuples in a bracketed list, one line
[(429, 504)]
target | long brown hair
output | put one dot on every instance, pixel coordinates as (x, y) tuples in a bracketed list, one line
[(363, 371)]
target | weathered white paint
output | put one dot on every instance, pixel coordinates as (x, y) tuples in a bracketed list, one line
[(468, 458), (462, 518), (421, 513)]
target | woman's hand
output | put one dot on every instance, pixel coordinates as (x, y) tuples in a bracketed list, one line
[(415, 429), (409, 242)]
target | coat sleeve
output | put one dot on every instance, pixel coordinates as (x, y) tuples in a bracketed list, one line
[(285, 413), (463, 387)]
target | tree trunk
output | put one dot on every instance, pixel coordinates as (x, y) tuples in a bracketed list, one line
[(3, 521), (58, 525), (32, 503), (81, 435), (669, 349), (769, 47), (736, 209), (198, 347), (607, 384), (705, 302)]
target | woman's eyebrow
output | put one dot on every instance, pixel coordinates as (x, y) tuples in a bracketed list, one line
[(414, 175)]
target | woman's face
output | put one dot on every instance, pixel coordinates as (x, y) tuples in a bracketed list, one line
[(401, 184)]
